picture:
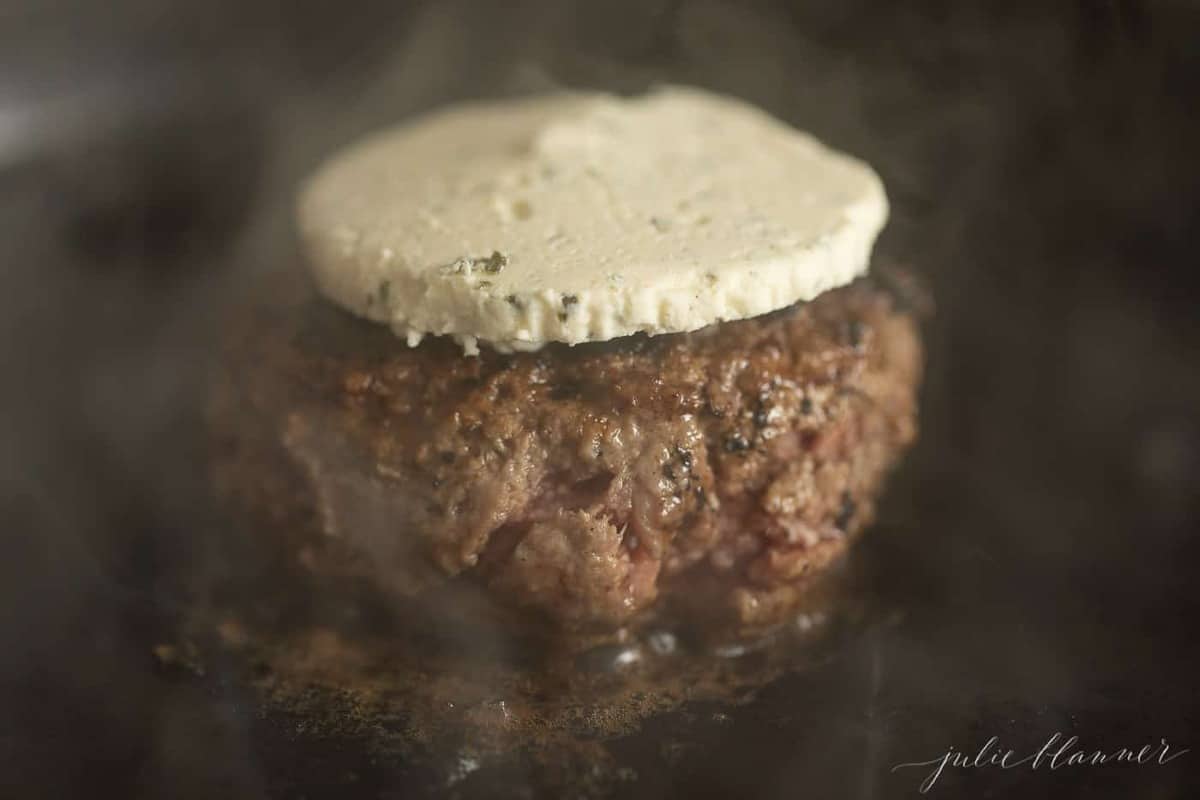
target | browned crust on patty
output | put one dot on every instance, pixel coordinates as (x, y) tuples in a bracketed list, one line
[(711, 472)]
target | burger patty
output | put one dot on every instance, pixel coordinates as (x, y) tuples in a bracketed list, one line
[(711, 473)]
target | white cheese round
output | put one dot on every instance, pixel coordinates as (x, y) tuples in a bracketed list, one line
[(584, 217)]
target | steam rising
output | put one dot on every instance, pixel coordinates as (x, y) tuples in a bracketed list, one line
[(1040, 168)]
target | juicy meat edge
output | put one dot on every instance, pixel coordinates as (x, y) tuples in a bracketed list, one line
[(713, 473)]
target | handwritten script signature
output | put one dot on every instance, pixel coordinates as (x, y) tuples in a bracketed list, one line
[(1058, 752)]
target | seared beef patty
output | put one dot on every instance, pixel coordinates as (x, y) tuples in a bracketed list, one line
[(710, 473)]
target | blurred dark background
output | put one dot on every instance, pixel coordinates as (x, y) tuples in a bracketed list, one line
[(1043, 164)]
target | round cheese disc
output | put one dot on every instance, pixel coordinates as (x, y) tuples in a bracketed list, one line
[(579, 217)]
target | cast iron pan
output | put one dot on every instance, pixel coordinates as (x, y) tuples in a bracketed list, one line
[(1031, 571)]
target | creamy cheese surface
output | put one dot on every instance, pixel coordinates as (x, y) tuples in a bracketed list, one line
[(584, 217)]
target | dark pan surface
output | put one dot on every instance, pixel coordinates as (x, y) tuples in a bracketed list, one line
[(1032, 570)]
